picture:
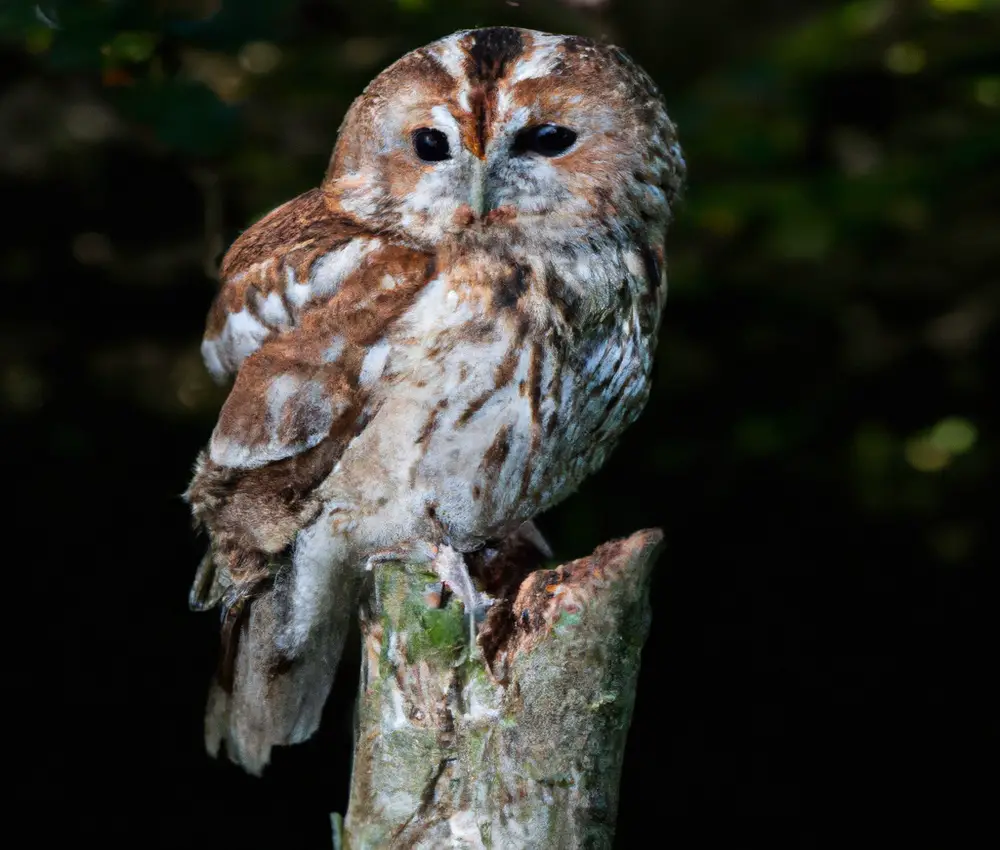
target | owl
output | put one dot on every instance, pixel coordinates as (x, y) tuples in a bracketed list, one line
[(434, 346)]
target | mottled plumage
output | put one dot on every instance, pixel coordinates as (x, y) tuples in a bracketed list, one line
[(427, 352)]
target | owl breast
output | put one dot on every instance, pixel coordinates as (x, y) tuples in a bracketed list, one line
[(503, 387)]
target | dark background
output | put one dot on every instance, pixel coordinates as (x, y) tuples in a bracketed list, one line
[(819, 447)]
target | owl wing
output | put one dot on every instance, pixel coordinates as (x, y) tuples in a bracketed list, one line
[(294, 258), (307, 297), (307, 300), (306, 292)]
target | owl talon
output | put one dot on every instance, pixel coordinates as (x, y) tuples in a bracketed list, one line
[(451, 568), (232, 603)]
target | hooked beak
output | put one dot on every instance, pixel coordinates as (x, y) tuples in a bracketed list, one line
[(475, 143), (477, 199)]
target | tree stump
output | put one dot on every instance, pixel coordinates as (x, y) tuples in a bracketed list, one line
[(517, 740)]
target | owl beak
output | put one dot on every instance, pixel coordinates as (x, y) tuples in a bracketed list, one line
[(478, 198)]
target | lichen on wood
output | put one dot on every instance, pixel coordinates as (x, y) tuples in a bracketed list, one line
[(514, 741)]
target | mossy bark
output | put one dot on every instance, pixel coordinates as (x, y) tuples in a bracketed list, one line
[(516, 741)]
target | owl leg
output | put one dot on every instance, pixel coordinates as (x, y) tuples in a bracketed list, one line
[(322, 584)]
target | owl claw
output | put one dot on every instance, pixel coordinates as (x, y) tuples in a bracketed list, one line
[(450, 567)]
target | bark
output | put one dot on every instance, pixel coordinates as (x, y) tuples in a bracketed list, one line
[(515, 741)]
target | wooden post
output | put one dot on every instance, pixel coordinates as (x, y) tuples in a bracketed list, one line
[(516, 741)]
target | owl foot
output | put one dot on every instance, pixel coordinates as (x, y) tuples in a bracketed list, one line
[(453, 571), (450, 567)]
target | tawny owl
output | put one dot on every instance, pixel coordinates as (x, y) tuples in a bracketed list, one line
[(441, 341)]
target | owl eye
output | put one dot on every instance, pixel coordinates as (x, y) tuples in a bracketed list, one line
[(546, 139), (430, 145)]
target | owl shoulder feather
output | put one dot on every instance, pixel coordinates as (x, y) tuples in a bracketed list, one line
[(308, 384), (307, 299), (292, 259)]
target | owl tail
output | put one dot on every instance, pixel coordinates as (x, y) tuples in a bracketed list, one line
[(262, 696)]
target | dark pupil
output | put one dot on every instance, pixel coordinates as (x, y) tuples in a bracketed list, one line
[(430, 145), (547, 139)]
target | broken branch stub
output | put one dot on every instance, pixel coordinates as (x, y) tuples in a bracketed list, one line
[(517, 741)]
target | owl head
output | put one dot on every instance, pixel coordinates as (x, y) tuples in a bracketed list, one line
[(511, 133)]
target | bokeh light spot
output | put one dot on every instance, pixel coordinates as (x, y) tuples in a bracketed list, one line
[(986, 91), (954, 435), (22, 387), (260, 57), (219, 71), (867, 16), (956, 5), (907, 211), (720, 220), (38, 40), (132, 46), (89, 122), (905, 57), (925, 456), (952, 542), (857, 152)]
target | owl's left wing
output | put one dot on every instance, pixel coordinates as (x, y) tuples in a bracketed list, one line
[(307, 382), (302, 320), (306, 293), (290, 261)]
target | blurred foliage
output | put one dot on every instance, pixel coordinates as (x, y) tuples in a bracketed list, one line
[(831, 344)]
